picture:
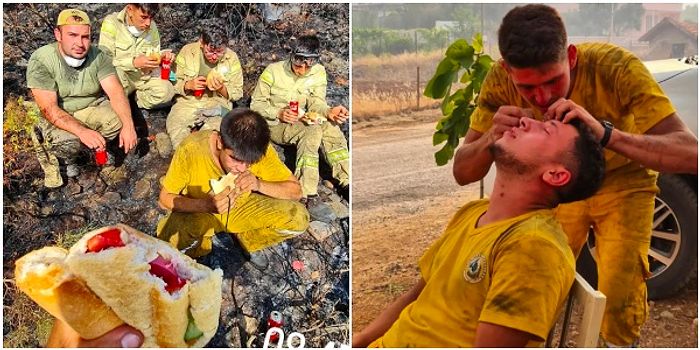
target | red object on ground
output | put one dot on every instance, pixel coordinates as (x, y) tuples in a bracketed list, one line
[(275, 320), (160, 267), (198, 93), (165, 69), (101, 156), (294, 106), (107, 239), (297, 265)]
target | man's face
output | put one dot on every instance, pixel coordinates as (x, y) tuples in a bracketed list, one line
[(73, 40), (543, 85), (138, 18), (212, 54), (230, 163), (301, 65), (534, 143)]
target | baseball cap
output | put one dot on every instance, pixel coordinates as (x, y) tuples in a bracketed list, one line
[(72, 16)]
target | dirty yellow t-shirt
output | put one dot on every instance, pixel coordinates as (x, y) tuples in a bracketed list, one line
[(611, 84), (193, 166), (514, 273)]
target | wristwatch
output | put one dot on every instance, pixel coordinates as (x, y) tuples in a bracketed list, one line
[(608, 126)]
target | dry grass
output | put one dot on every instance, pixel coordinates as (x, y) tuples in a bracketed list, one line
[(388, 84)]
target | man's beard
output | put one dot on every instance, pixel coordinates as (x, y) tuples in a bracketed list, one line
[(506, 161)]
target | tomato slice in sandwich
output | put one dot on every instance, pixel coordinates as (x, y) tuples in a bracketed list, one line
[(160, 267), (108, 239)]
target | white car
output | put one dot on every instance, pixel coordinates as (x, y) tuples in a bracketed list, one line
[(674, 244)]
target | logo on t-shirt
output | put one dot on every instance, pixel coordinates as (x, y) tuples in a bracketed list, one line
[(475, 269)]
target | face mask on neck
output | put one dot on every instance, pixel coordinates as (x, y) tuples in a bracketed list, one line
[(74, 62), (134, 31)]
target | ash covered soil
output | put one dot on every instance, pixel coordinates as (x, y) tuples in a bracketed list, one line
[(305, 278)]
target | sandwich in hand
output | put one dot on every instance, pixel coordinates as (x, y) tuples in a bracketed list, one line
[(117, 275), (312, 118)]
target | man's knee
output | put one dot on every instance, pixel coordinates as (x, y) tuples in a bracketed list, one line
[(157, 93), (312, 136)]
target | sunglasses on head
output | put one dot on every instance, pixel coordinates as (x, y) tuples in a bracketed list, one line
[(308, 61)]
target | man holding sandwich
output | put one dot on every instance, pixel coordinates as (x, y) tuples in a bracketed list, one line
[(501, 271), (288, 88), (260, 206), (132, 39), (79, 96)]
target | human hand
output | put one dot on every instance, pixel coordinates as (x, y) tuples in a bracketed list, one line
[(146, 62), (124, 336), (246, 181), (506, 118), (223, 202), (92, 139), (215, 83), (338, 114), (167, 55), (565, 111), (287, 116), (197, 83), (127, 138)]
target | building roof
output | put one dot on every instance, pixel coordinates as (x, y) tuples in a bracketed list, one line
[(687, 28)]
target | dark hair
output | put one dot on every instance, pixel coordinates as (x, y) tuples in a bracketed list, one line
[(149, 9), (213, 33), (246, 133), (532, 35), (586, 163), (307, 44)]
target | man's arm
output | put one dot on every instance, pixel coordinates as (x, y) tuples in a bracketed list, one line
[(490, 335), (317, 93), (48, 105), (667, 147), (113, 88), (261, 98), (387, 318), (232, 89)]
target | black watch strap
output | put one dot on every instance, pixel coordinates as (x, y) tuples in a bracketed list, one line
[(608, 126)]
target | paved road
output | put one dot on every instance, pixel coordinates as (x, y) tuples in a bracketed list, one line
[(396, 164)]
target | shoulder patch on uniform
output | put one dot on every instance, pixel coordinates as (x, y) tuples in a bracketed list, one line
[(266, 77), (475, 270)]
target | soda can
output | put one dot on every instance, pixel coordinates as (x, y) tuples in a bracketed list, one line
[(275, 320), (294, 106), (101, 156)]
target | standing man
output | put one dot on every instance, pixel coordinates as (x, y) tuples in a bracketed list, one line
[(611, 91), (500, 273), (300, 79), (209, 80), (69, 80), (268, 215), (132, 39)]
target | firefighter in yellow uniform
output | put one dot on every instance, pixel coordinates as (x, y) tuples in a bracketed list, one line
[(300, 79), (611, 91), (261, 211), (209, 80), (131, 37)]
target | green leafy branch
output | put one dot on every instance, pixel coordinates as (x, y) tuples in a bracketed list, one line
[(458, 107)]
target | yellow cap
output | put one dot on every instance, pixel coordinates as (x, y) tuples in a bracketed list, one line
[(72, 16)]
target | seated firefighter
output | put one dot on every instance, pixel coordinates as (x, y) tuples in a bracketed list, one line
[(501, 271), (301, 81), (131, 37), (261, 210), (209, 79), (69, 80)]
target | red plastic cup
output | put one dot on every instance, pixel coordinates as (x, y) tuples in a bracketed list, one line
[(101, 156), (198, 93), (165, 69), (294, 106), (275, 320)]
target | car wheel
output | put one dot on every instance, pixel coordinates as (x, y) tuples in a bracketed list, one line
[(674, 249)]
